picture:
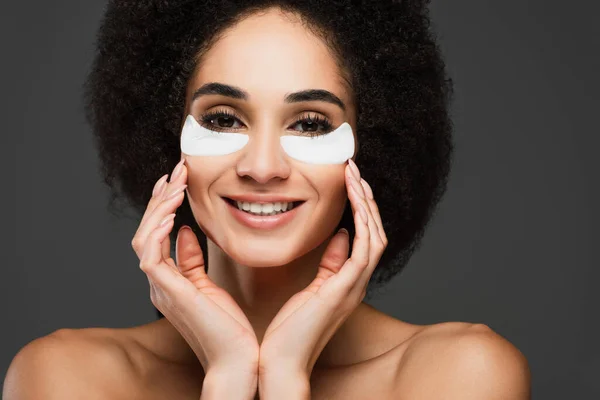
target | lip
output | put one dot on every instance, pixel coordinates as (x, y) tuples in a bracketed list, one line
[(264, 222), (263, 198)]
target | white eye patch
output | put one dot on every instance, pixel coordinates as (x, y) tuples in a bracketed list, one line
[(196, 140), (335, 147)]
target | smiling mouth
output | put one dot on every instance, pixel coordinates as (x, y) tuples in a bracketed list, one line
[(264, 209)]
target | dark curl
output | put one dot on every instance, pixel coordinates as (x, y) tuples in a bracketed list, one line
[(147, 51)]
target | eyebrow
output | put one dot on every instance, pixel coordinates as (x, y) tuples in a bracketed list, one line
[(233, 92)]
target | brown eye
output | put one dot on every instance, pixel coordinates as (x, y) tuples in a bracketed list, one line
[(310, 125), (223, 122), (219, 121)]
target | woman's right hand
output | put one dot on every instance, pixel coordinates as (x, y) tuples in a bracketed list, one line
[(206, 315)]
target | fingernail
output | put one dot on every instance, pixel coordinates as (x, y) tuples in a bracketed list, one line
[(159, 186), (343, 230), (354, 169), (367, 188), (175, 192), (177, 171), (167, 219)]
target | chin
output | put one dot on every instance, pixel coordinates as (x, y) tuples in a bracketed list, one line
[(264, 253)]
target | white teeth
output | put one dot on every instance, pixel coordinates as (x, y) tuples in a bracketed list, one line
[(264, 208)]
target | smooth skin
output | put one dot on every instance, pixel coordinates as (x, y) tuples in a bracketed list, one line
[(448, 360), (217, 329), (286, 321)]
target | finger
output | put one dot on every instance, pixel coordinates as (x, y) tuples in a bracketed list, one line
[(152, 258), (357, 196), (163, 279), (174, 199), (167, 206), (190, 259), (357, 184), (178, 177), (336, 253), (377, 245), (376, 242), (161, 191), (374, 210), (359, 259), (157, 193), (334, 256), (349, 177)]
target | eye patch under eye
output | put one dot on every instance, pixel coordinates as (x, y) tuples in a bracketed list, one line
[(196, 140), (335, 147)]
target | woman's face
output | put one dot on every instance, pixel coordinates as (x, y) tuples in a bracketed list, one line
[(268, 57)]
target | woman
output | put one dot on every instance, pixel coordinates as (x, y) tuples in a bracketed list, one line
[(262, 108)]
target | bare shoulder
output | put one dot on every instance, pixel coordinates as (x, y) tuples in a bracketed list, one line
[(459, 360), (92, 363)]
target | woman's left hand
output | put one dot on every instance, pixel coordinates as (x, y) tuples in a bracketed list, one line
[(296, 336)]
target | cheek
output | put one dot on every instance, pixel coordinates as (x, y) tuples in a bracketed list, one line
[(331, 188), (201, 173), (335, 195)]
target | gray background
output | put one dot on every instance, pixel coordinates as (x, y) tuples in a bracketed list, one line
[(512, 245)]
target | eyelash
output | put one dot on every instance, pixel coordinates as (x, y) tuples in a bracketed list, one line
[(207, 117)]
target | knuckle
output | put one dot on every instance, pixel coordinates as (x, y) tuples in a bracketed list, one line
[(359, 263), (145, 266), (363, 262), (334, 258)]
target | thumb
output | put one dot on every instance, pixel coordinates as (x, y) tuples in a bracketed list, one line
[(336, 253), (190, 259)]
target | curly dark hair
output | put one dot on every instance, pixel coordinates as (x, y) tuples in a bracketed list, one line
[(147, 51)]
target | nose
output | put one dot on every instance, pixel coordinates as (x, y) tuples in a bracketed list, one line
[(263, 158)]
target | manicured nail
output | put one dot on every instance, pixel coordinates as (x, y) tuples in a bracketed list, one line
[(178, 169), (367, 188), (343, 230), (167, 219), (160, 185), (175, 192)]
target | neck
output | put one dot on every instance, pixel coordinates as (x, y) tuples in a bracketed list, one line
[(261, 292)]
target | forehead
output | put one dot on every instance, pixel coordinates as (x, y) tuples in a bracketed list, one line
[(270, 55)]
